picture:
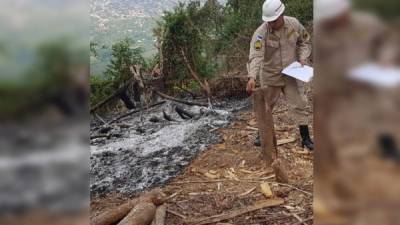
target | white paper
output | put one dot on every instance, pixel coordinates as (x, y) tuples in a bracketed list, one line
[(376, 74), (296, 70)]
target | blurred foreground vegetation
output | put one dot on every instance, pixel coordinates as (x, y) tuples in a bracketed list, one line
[(57, 77)]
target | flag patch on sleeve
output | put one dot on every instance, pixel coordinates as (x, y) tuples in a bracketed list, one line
[(258, 43)]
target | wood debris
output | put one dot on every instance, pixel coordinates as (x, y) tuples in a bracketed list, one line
[(235, 213), (111, 216), (176, 213), (211, 175), (247, 192), (266, 190), (142, 214), (286, 141)]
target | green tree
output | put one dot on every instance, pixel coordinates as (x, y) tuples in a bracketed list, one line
[(124, 55), (190, 29)]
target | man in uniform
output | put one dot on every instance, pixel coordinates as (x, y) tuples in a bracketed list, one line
[(353, 119), (345, 39), (278, 42)]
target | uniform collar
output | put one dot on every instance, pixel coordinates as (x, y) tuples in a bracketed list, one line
[(284, 28)]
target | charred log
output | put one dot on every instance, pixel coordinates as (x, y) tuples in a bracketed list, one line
[(183, 114), (105, 129), (154, 119), (135, 111), (167, 117), (127, 101), (179, 100)]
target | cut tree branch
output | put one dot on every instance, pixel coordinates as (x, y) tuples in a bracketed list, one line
[(204, 85), (179, 100), (135, 111), (136, 79), (111, 97)]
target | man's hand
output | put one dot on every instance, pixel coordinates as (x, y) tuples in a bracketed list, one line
[(251, 84), (303, 62)]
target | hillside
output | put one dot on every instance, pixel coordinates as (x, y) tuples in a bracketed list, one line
[(113, 20)]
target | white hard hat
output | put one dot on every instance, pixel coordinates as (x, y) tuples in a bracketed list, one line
[(329, 9), (272, 9)]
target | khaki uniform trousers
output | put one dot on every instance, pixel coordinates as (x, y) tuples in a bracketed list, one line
[(292, 93)]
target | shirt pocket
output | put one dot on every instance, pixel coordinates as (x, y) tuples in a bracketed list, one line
[(292, 39), (271, 48)]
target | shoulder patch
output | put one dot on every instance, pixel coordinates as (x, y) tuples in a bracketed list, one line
[(306, 36), (259, 37), (258, 45)]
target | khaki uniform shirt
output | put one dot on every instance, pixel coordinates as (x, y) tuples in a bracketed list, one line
[(272, 51), (338, 51)]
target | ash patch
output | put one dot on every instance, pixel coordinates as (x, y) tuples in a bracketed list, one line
[(44, 166), (148, 153)]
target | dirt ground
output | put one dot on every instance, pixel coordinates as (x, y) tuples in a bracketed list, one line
[(227, 176)]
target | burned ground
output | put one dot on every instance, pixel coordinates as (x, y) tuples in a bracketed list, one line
[(227, 175)]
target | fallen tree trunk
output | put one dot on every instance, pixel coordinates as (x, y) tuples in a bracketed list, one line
[(114, 215), (141, 214), (180, 100), (183, 114), (134, 111), (233, 214)]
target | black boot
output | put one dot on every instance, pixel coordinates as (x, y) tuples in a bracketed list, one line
[(388, 147), (257, 141), (305, 138)]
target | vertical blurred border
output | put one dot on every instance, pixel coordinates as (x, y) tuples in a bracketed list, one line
[(357, 112), (44, 146)]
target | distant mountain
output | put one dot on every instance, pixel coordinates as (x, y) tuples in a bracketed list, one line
[(113, 20)]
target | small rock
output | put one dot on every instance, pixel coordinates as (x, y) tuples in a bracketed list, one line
[(219, 123), (154, 119)]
